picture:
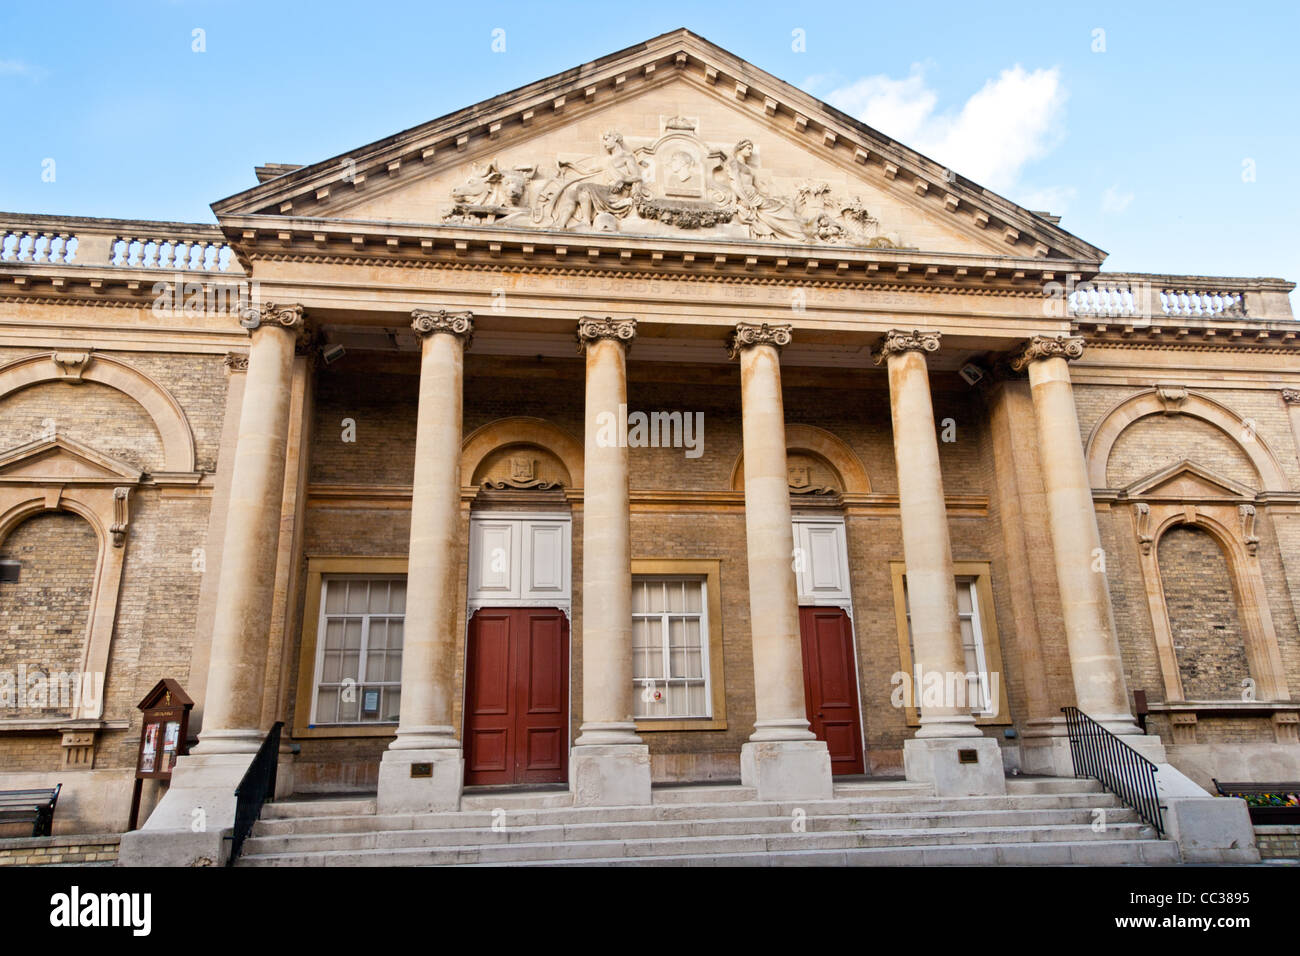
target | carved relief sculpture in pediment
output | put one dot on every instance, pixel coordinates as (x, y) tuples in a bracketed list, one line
[(675, 182)]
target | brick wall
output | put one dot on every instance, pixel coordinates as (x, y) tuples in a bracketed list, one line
[(1207, 631), (93, 414), (1158, 441), (81, 849), (849, 405), (160, 582), (45, 612), (1278, 842), (1206, 621)]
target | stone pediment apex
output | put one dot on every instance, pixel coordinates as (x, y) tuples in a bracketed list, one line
[(63, 460), (1186, 479), (727, 152)]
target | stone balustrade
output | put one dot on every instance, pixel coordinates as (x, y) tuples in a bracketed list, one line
[(1209, 302), (54, 247), (116, 243), (1109, 298), (1153, 296)]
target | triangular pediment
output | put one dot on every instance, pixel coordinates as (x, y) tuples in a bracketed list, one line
[(64, 460), (704, 146), (1185, 479)]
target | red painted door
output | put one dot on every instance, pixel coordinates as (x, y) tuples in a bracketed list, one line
[(830, 688), (517, 697)]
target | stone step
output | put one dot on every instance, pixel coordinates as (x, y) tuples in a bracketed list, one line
[(721, 824), (1019, 786), (1115, 853), (298, 809), (832, 832), (639, 849), (543, 799), (322, 819), (516, 800)]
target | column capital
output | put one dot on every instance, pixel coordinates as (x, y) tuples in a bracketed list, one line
[(1291, 396), (426, 322), (236, 361), (746, 335), (593, 328), (898, 341), (1068, 347), (291, 318)]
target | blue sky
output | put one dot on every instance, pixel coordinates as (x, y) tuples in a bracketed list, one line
[(1169, 140)]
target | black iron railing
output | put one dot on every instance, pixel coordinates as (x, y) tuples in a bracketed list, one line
[(1099, 754), (257, 787)]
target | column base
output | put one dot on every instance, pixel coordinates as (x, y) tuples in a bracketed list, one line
[(937, 761), (787, 769), (1121, 725), (284, 770), (190, 824), (610, 775), (947, 727), (1047, 756), (406, 787), (1148, 745)]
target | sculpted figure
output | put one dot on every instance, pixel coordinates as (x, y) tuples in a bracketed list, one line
[(580, 200), (766, 216), (493, 186)]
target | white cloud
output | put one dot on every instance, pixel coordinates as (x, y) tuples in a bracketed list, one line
[(19, 68), (1016, 118), (1053, 199), (1112, 200)]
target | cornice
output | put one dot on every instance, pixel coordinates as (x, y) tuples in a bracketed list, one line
[(1263, 341), (414, 245)]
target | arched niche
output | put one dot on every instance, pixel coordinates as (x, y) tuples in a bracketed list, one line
[(1168, 401), (521, 465), (87, 366), (1231, 526), (489, 444), (105, 509), (47, 606), (816, 449)]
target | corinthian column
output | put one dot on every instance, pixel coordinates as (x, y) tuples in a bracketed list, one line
[(609, 766), (430, 644), (946, 721), (189, 822), (782, 759), (1080, 562), (237, 667)]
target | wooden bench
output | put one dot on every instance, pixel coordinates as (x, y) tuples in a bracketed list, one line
[(30, 806), (1269, 803)]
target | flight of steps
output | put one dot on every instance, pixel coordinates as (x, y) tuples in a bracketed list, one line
[(1040, 821)]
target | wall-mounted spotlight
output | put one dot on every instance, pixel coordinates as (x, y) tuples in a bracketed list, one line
[(972, 373)]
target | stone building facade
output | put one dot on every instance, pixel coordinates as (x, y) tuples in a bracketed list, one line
[(653, 422)]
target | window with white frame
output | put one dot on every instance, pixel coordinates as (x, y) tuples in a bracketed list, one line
[(670, 647), (972, 641), (359, 650)]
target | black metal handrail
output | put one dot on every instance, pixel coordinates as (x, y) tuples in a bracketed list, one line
[(257, 787), (1099, 754)]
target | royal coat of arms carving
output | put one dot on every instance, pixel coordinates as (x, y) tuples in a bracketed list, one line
[(676, 182)]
